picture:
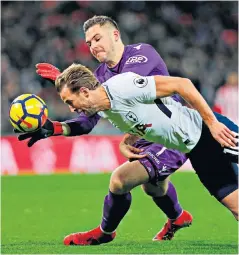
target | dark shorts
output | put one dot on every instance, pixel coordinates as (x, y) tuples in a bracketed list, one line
[(160, 162), (213, 167)]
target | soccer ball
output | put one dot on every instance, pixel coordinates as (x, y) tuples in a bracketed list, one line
[(28, 113)]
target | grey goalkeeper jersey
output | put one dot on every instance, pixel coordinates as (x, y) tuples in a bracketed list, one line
[(136, 110)]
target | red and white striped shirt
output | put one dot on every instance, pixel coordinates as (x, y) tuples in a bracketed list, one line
[(226, 102)]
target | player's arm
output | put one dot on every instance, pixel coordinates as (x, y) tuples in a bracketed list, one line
[(82, 124), (167, 86), (127, 149), (78, 126)]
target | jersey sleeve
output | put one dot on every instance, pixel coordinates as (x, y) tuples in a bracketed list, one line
[(132, 88), (145, 91), (145, 60), (82, 124)]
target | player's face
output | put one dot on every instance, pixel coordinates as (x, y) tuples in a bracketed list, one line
[(101, 41), (79, 101)]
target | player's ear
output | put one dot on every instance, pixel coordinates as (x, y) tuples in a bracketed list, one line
[(84, 91), (116, 34)]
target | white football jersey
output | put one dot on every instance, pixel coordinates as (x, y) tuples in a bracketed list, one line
[(136, 110)]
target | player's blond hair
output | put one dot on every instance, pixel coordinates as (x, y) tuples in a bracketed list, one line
[(101, 20), (75, 77)]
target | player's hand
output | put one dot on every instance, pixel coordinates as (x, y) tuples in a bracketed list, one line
[(47, 71), (50, 128), (223, 134), (130, 151)]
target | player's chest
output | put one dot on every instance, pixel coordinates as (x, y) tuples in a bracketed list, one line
[(134, 120)]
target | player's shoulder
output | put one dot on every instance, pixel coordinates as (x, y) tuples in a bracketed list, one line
[(139, 53), (137, 48), (121, 81), (119, 86), (100, 70), (121, 77)]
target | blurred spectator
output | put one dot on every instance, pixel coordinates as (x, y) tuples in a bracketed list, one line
[(226, 101), (197, 40)]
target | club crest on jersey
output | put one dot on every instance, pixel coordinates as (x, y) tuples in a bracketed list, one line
[(136, 59), (131, 116), (140, 82)]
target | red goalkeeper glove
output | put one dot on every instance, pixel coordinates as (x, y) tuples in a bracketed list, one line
[(47, 71)]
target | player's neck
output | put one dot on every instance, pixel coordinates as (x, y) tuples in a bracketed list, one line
[(115, 59), (101, 100)]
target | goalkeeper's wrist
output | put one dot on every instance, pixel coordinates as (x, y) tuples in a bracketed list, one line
[(66, 129), (60, 128)]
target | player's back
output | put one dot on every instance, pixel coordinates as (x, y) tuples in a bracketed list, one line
[(136, 110)]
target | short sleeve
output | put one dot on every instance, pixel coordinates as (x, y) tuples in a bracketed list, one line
[(144, 89), (132, 88)]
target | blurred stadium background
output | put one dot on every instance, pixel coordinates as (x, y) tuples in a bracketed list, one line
[(198, 40)]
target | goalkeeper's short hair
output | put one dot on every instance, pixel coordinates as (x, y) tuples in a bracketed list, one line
[(101, 20)]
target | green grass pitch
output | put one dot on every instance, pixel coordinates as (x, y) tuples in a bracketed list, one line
[(38, 211)]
